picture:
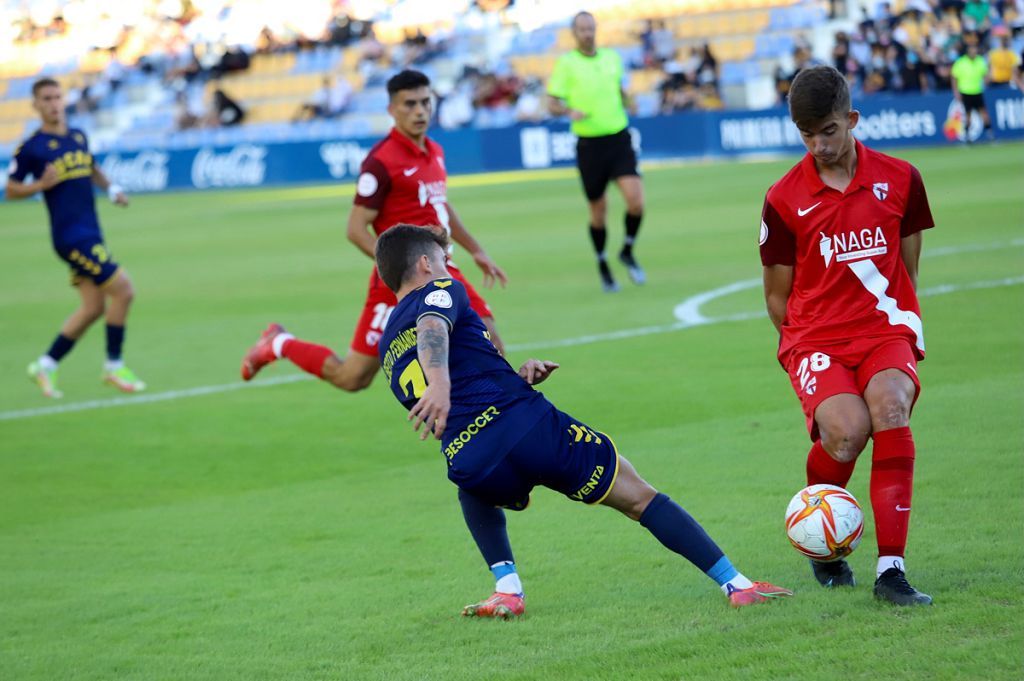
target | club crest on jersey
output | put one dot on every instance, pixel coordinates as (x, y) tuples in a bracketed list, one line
[(881, 190), (439, 299), (764, 233), (852, 245)]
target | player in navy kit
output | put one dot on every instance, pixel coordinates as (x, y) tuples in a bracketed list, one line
[(500, 437), (58, 160)]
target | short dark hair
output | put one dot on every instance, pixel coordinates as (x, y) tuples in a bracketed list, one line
[(816, 93), (400, 247), (41, 83), (407, 80), (579, 15)]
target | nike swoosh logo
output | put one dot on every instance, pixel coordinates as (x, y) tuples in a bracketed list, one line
[(804, 211), (911, 367), (410, 172), (902, 508)]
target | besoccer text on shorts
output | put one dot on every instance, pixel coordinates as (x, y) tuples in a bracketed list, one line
[(501, 438)]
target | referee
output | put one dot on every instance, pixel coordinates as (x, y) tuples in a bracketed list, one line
[(970, 74), (587, 86)]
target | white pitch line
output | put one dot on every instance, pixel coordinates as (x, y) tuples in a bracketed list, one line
[(148, 398), (688, 315)]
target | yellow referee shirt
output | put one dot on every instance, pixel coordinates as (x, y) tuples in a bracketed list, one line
[(592, 85), (969, 74)]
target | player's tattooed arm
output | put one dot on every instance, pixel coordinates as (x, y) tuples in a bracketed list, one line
[(432, 342), (910, 251), (432, 345)]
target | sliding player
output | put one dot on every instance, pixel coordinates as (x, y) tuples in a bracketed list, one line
[(500, 437)]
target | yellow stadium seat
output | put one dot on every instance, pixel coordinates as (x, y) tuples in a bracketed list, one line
[(11, 132), (95, 61), (16, 109)]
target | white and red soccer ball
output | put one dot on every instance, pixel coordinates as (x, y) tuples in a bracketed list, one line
[(824, 522)]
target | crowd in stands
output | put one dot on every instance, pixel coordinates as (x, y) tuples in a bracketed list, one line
[(913, 50), (204, 57)]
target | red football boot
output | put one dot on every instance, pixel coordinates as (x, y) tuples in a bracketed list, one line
[(758, 593), (261, 354), (503, 606)]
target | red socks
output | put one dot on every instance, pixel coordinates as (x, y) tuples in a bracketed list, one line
[(892, 484), (309, 357), (822, 469)]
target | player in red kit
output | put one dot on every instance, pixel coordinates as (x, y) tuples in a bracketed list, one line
[(402, 180), (840, 243)]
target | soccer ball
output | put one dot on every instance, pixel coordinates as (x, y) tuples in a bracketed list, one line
[(824, 522)]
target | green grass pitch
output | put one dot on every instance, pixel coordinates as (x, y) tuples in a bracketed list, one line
[(291, 531)]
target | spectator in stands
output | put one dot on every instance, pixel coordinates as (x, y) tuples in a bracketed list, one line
[(977, 16), (530, 106), (267, 42), (225, 111), (802, 59), (187, 114), (330, 100), (913, 77), (942, 74), (234, 59), (658, 43), (677, 93), (881, 14), (494, 92), (970, 72), (1002, 60), (1018, 74), (455, 109), (707, 69), (841, 52)]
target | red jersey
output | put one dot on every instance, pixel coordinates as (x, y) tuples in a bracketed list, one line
[(405, 183), (849, 279)]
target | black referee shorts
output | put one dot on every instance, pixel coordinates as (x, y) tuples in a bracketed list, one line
[(602, 159), (973, 102)]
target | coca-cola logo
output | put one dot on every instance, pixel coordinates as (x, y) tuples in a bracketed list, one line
[(144, 172), (243, 166), (342, 158)]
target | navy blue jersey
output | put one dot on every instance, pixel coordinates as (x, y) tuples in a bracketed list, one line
[(492, 408), (71, 201)]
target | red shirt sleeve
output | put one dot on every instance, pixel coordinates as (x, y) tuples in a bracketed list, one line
[(917, 215), (778, 246), (373, 185)]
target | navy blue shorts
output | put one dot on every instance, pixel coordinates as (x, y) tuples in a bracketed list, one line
[(89, 260), (560, 453)]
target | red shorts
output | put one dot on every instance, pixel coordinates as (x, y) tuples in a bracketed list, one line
[(819, 372), (380, 301)]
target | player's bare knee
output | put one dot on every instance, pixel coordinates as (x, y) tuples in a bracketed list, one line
[(122, 291), (845, 444), (892, 411), (635, 203)]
